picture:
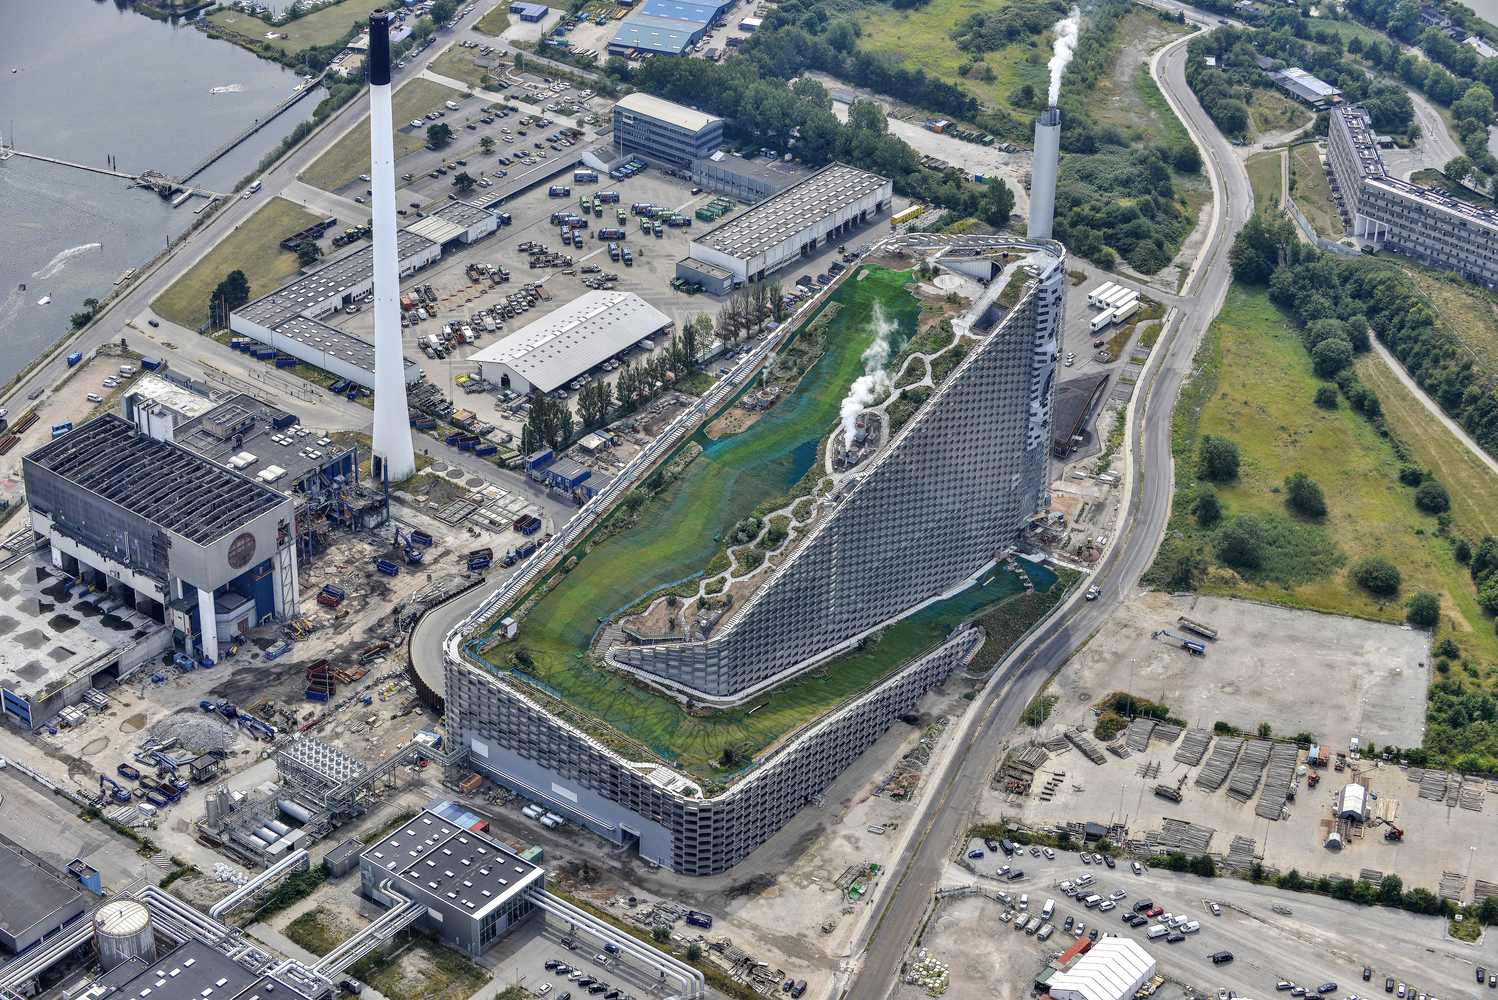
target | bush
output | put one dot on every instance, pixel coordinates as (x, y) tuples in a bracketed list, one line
[(1432, 497), (1326, 397), (1331, 356), (1303, 494), (1217, 458), (1240, 542), (1188, 160), (1208, 505), (1424, 609), (1108, 725), (1447, 647), (1412, 475), (1377, 576)]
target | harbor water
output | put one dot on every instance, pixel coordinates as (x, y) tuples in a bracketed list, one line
[(84, 80)]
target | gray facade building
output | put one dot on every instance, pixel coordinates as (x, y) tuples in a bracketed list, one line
[(1425, 225), (36, 899), (476, 890), (664, 131), (963, 476), (746, 179), (972, 461)]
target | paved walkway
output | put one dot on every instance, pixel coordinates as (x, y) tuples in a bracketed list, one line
[(1431, 405)]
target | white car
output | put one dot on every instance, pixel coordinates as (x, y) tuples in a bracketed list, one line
[(1119, 894), (3, 411), (416, 123), (1050, 855), (543, 989), (1138, 868), (1107, 905), (94, 397), (1216, 910)]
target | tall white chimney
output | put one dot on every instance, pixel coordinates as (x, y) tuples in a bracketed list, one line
[(394, 455), (1043, 173)]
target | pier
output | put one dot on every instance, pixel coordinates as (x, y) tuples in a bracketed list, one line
[(155, 180), (308, 87)]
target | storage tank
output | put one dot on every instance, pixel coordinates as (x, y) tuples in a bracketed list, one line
[(280, 828), (265, 834), (295, 810), (213, 811), (122, 931)]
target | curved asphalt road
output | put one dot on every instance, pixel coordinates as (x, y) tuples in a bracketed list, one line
[(949, 804)]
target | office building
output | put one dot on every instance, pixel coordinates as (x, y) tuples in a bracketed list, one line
[(744, 179), (1425, 225), (476, 890), (818, 209), (660, 130)]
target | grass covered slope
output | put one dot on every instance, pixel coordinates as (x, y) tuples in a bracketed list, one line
[(254, 248), (1256, 388), (349, 156)]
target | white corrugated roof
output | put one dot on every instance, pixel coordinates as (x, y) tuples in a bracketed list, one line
[(437, 230), (1113, 970), (666, 111), (572, 339)]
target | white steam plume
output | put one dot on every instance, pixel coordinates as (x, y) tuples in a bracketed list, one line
[(875, 383), (1067, 30)]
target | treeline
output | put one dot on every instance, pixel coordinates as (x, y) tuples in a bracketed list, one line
[(1115, 199), (989, 31)]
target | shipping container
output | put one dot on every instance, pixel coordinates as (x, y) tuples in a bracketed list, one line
[(1101, 320), (1125, 311), (1096, 296), (913, 212)]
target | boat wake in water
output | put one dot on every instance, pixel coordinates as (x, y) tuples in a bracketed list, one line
[(57, 263), (233, 88)]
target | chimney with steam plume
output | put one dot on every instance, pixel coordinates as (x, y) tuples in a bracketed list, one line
[(394, 455), (1048, 130)]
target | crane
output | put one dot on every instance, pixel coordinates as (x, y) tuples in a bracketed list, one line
[(1189, 645)]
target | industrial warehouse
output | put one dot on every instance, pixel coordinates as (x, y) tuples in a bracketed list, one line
[(567, 342), (667, 27), (822, 208)]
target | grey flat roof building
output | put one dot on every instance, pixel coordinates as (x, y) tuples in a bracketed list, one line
[(786, 227), (35, 898), (1424, 224), (665, 131), (745, 179), (569, 340), (475, 889)]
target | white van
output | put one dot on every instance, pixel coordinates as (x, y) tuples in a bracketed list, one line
[(1048, 909), (1092, 900), (127, 370), (452, 106), (1156, 931), (1192, 927), (1180, 921), (1024, 901)]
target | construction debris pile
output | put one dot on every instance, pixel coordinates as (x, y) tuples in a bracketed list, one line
[(204, 732), (1018, 772), (227, 873)]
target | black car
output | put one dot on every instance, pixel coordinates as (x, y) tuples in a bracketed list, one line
[(1067, 926), (565, 996), (431, 145), (1142, 905), (552, 963), (787, 986), (799, 989), (1108, 860), (471, 127), (153, 322), (1367, 973), (991, 844), (1327, 988), (1175, 938), (586, 981), (598, 987), (611, 995), (1388, 984), (1092, 934), (611, 948), (415, 204), (1139, 921), (1219, 957), (563, 969), (569, 944), (1016, 874)]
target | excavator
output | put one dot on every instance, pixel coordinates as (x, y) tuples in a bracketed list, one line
[(117, 793)]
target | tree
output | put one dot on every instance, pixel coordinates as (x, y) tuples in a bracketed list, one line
[(1184, 569), (231, 293), (1378, 576), (486, 143), (1265, 730), (594, 401), (1240, 542), (1476, 103), (1304, 494), (1022, 97), (1217, 458), (308, 252), (1461, 549), (439, 134), (728, 758), (1208, 505), (1424, 609), (1458, 169), (464, 182), (1331, 356), (1326, 396), (617, 67), (694, 952), (661, 934), (1432, 497), (999, 203), (1188, 159), (443, 10), (1231, 116), (1391, 890)]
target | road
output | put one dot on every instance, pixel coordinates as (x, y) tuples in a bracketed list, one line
[(134, 302), (1000, 704)]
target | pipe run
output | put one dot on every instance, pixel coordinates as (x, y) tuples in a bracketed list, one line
[(400, 915), (693, 984), (297, 859)]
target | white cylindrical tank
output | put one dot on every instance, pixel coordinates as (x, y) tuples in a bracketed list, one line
[(266, 834), (1043, 173), (122, 931), (280, 828), (295, 810), (213, 810)]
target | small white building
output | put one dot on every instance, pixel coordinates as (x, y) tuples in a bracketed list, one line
[(1114, 969), (568, 341), (1352, 803), (456, 222)]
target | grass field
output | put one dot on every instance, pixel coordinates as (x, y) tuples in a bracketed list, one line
[(1149, 93), (458, 64), (312, 932), (1468, 312), (349, 156), (923, 37), (322, 27), (254, 248), (423, 971), (1309, 189), (1266, 173), (1257, 389), (1273, 114), (495, 22)]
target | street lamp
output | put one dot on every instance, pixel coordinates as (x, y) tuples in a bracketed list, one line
[(1131, 689), (1121, 789), (1471, 853)]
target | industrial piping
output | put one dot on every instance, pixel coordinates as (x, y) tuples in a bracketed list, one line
[(297, 859), (693, 983), (1043, 170), (393, 449)]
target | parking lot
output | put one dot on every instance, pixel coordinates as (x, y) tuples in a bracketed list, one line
[(1317, 940), (521, 959)]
